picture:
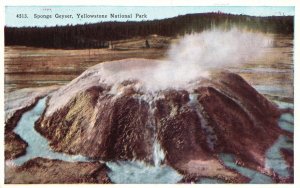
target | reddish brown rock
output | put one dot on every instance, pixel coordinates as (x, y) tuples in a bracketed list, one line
[(193, 124), (289, 157), (43, 171), (14, 145)]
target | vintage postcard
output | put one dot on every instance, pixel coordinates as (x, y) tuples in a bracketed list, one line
[(149, 94)]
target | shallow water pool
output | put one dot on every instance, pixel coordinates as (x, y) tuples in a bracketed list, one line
[(38, 145)]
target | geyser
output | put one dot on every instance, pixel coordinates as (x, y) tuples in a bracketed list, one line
[(120, 110), (220, 114)]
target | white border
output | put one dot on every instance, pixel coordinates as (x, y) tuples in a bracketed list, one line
[(2, 12), (160, 3), (154, 2)]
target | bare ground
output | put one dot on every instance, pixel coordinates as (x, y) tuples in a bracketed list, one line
[(35, 67), (27, 67)]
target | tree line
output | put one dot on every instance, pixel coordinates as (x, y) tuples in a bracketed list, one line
[(98, 35)]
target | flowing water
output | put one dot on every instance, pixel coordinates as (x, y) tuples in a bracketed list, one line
[(274, 159), (210, 134), (209, 181), (37, 144), (274, 69), (254, 176), (140, 172), (120, 171)]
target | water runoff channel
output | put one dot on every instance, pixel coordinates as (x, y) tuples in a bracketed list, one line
[(140, 172)]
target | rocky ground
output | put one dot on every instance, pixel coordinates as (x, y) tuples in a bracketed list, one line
[(27, 67), (44, 171)]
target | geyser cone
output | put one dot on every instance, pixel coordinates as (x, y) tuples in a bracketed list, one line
[(112, 112)]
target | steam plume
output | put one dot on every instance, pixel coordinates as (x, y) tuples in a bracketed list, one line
[(194, 55)]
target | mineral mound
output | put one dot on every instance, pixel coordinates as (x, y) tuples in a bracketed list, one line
[(111, 113)]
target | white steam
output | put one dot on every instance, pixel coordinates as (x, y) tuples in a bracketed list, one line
[(190, 58), (195, 55), (217, 48)]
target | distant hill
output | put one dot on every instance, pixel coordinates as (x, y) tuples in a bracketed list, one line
[(99, 34)]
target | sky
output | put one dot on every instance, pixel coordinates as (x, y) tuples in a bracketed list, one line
[(159, 12)]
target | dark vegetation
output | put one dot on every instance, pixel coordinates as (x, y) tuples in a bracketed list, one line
[(99, 35)]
